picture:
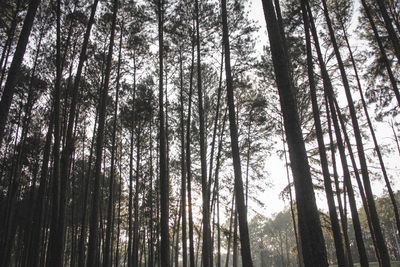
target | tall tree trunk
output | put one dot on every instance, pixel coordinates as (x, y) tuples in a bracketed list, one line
[(343, 215), (206, 245), (217, 167), (240, 204), (93, 230), (151, 244), (313, 245), (117, 253), (110, 225), (356, 174), (136, 233), (56, 242), (348, 183), (183, 167), (188, 160), (376, 145), (382, 249), (87, 175), (130, 203), (321, 146), (164, 179), (9, 87), (328, 93)]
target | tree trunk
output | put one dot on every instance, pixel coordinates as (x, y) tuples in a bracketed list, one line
[(313, 245), (164, 180), (188, 160), (110, 225), (240, 202), (376, 145), (321, 146), (56, 242), (382, 249), (136, 234), (328, 94), (206, 246), (343, 215), (93, 230), (183, 168), (9, 87)]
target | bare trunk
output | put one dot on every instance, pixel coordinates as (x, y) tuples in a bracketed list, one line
[(313, 245)]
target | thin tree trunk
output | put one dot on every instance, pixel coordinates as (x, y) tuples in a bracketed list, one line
[(235, 241), (357, 175), (343, 215), (164, 181), (86, 190), (349, 186), (117, 256), (188, 160), (136, 234), (382, 249), (130, 203), (240, 202), (377, 149), (56, 242), (183, 167), (206, 245), (337, 237), (93, 230), (110, 225), (38, 208), (151, 244), (9, 87), (328, 94)]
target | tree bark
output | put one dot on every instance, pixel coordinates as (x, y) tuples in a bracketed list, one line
[(328, 94), (9, 87), (321, 146), (164, 181), (183, 167), (110, 225), (188, 159), (376, 145), (93, 230), (313, 245), (240, 202), (382, 249)]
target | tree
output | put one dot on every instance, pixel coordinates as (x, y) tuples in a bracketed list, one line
[(9, 87), (313, 246), (93, 234), (240, 202)]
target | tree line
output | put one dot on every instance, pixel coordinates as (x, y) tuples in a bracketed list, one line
[(137, 133)]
